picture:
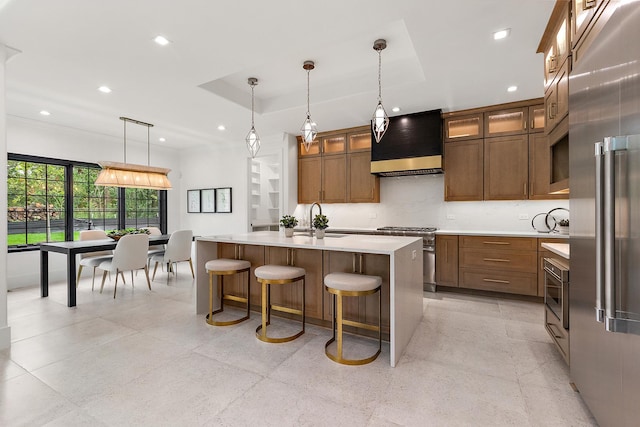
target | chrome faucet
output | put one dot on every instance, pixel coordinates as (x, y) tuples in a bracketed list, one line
[(311, 216)]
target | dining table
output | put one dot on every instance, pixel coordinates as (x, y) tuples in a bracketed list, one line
[(71, 249)]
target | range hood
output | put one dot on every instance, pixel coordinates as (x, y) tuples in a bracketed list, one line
[(411, 146)]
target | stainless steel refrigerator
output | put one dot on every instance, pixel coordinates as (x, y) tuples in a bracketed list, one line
[(604, 153)]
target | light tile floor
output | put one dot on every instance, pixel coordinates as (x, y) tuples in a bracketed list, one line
[(147, 359)]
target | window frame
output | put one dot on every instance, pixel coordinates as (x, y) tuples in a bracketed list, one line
[(68, 191)]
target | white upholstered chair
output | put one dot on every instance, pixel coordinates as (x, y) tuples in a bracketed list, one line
[(93, 259), (178, 250), (154, 249), (130, 254)]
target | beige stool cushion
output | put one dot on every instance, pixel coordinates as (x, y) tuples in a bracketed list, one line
[(224, 264), (279, 272), (352, 282)]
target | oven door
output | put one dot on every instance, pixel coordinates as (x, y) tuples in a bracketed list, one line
[(556, 290)]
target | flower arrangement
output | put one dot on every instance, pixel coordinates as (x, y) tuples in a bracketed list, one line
[(288, 221), (320, 222), (116, 234)]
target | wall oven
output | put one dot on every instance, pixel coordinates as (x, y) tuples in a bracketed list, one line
[(556, 289)]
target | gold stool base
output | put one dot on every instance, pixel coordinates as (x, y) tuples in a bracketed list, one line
[(351, 362), (267, 307), (209, 317)]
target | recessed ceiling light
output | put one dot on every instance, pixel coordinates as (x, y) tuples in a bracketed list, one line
[(498, 35), (395, 109), (221, 127), (104, 89), (161, 139), (161, 41), (512, 88), (45, 113)]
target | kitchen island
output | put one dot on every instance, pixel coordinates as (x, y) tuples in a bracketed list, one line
[(398, 260)]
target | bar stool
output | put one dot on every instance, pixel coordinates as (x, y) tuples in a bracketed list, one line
[(351, 285), (226, 267), (269, 275)]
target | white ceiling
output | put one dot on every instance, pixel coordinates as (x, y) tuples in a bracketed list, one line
[(440, 54)]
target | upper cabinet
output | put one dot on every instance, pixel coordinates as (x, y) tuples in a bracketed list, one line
[(336, 169), (556, 42), (459, 128), (588, 18), (511, 121)]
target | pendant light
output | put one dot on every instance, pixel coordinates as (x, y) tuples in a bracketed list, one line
[(252, 139), (380, 119), (308, 129), (128, 175)]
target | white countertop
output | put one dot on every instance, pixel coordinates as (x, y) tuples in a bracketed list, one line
[(332, 242), (561, 249)]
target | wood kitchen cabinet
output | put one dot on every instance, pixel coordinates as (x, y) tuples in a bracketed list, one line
[(512, 121), (463, 170), (540, 169), (339, 170), (506, 167), (500, 264), (556, 99), (447, 260), (463, 127), (536, 118), (291, 295), (362, 309)]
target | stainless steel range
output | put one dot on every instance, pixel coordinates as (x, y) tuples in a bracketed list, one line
[(428, 235)]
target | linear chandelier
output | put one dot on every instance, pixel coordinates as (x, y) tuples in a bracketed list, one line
[(128, 175)]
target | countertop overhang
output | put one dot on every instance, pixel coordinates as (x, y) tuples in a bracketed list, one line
[(561, 249)]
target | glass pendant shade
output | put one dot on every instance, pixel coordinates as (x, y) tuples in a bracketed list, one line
[(252, 139), (253, 142), (379, 122), (129, 175), (309, 131)]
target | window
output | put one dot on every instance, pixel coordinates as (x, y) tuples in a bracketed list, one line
[(51, 200)]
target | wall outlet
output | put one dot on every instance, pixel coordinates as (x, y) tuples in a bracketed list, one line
[(414, 254), (451, 216), (523, 216)]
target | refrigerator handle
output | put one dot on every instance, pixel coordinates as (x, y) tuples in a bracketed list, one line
[(609, 232), (599, 233)]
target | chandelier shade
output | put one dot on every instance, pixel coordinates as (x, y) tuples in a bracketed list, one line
[(129, 175), (380, 119), (252, 139)]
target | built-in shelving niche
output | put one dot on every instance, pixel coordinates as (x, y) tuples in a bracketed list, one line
[(265, 195)]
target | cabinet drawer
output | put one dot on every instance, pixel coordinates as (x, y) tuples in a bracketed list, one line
[(490, 242), (524, 261), (499, 281), (559, 335)]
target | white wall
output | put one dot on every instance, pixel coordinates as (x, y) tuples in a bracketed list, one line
[(209, 167), (42, 139), (418, 201)]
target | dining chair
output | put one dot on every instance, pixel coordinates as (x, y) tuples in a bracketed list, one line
[(93, 259), (130, 254), (178, 250), (154, 249)]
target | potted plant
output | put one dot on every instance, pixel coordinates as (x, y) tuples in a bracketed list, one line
[(563, 226), (288, 222), (320, 223), (117, 234)]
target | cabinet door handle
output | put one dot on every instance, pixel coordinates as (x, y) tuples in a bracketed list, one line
[(506, 282), (524, 189), (533, 124), (552, 328), (524, 124), (531, 189), (588, 4), (496, 243), (496, 260)]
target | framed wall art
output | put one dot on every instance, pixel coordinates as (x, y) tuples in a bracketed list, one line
[(193, 201), (208, 200), (223, 200)]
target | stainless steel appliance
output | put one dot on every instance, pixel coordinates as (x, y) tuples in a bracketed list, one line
[(604, 295), (428, 235)]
